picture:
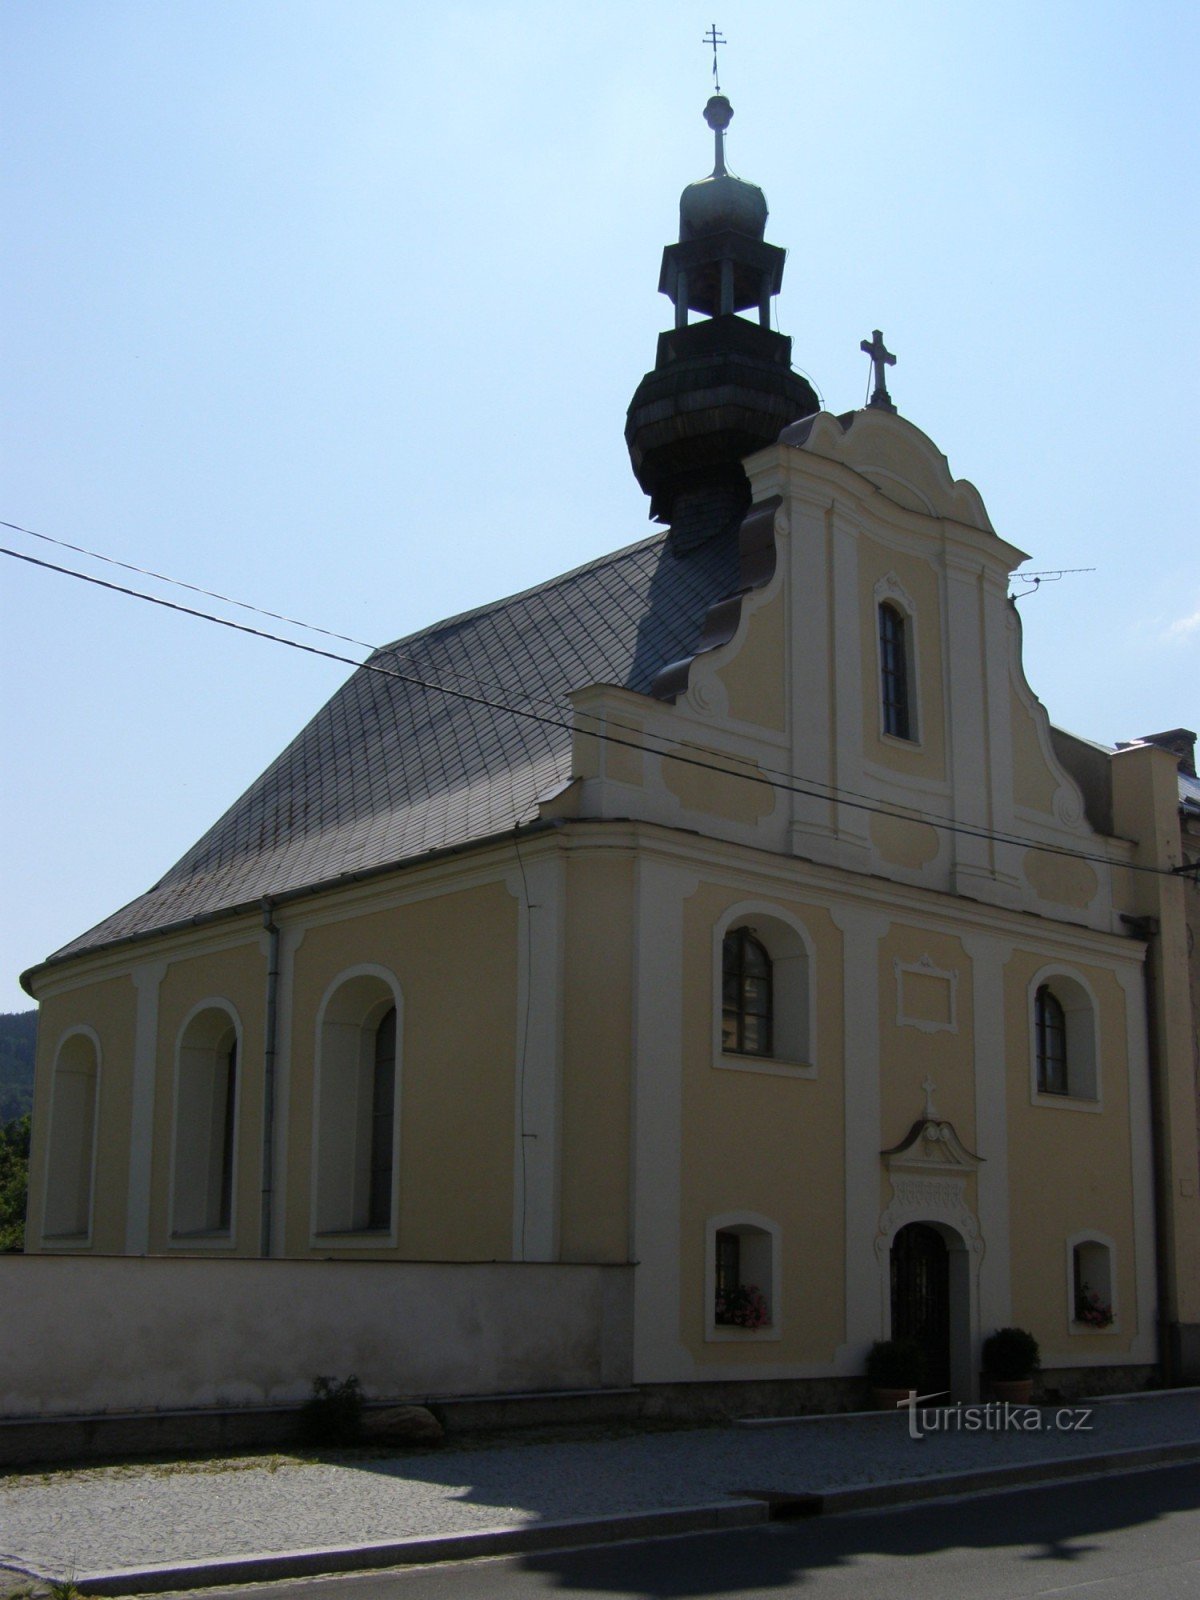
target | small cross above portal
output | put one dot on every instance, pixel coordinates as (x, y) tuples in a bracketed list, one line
[(714, 38), (929, 1086), (881, 357)]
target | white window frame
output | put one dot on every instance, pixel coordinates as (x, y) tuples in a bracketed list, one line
[(353, 1237), (1090, 1236), (746, 1223), (205, 1238), (1082, 1017), (794, 1023), (890, 591), (74, 1240)]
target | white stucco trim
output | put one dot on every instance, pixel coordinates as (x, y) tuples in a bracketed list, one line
[(1143, 1345), (217, 1238), (147, 980), (660, 889), (988, 957), (356, 1238), (853, 850), (862, 930), (540, 891), (924, 967), (73, 1241), (291, 937)]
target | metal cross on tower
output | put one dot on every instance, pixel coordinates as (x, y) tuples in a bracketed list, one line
[(881, 357), (714, 38)]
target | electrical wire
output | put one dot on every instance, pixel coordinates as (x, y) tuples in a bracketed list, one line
[(559, 703), (760, 777), (261, 611)]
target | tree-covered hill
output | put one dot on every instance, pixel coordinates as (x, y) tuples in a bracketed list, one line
[(18, 1041)]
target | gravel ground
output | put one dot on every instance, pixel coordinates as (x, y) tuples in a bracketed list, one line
[(106, 1518)]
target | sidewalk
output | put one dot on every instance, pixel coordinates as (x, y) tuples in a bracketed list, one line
[(110, 1521)]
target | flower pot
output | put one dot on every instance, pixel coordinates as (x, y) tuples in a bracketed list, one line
[(1016, 1391)]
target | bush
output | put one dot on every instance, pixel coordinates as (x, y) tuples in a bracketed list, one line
[(333, 1413), (1011, 1354), (897, 1364)]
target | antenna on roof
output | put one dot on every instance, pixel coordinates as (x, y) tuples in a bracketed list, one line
[(1036, 579), (714, 38)]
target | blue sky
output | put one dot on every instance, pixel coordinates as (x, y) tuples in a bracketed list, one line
[(336, 307)]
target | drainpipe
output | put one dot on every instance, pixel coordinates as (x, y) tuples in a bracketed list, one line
[(269, 1050), (1146, 928)]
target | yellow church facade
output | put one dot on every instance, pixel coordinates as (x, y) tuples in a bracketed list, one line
[(726, 914), (949, 1028)]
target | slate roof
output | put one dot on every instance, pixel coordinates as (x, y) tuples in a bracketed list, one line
[(389, 771)]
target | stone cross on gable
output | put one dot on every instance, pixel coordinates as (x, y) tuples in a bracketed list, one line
[(881, 357), (930, 1112)]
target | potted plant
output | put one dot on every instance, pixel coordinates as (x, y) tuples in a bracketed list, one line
[(1010, 1359), (742, 1307), (895, 1367)]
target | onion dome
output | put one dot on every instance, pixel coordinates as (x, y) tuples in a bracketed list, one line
[(722, 203)]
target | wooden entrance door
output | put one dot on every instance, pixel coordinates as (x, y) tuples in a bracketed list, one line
[(921, 1297)]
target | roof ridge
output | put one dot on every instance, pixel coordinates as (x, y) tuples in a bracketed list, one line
[(520, 594)]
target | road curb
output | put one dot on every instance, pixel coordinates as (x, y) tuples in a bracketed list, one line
[(517, 1540), (944, 1485), (744, 1509)]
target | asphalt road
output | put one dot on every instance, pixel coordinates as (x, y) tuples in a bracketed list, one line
[(1115, 1538)]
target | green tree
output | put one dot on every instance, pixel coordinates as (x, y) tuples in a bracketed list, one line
[(14, 1183)]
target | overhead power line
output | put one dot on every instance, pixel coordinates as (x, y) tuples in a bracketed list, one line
[(763, 777), (245, 605)]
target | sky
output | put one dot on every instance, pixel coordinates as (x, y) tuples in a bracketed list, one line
[(336, 307)]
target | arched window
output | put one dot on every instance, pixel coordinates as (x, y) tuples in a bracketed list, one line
[(894, 672), (747, 1016), (742, 1276), (763, 976), (204, 1148), (72, 1144), (357, 1105), (1064, 1039), (1050, 1023), (1092, 1285)]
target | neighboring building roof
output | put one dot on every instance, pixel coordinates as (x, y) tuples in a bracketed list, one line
[(388, 771)]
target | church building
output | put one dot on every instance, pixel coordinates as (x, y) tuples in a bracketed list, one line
[(726, 913)]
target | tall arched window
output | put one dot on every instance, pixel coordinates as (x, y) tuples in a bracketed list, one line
[(747, 995), (204, 1149), (1050, 1026), (357, 1105), (894, 671), (1065, 1043), (71, 1155)]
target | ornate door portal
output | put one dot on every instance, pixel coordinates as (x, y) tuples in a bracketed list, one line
[(921, 1297)]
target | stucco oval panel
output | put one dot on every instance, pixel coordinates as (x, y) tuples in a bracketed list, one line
[(902, 843), (1060, 880), (719, 785)]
